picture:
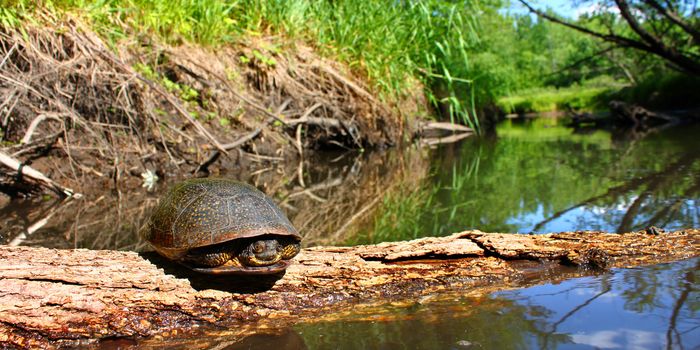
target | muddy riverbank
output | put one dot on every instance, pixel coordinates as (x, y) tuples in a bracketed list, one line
[(86, 113)]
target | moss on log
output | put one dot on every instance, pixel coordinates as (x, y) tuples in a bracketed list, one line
[(54, 297)]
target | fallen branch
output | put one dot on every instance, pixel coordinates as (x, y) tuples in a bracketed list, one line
[(36, 224), (435, 133), (50, 296), (25, 170), (33, 125), (444, 140), (638, 115), (321, 121), (345, 127), (445, 127), (228, 146)]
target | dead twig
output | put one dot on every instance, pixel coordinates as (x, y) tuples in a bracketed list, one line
[(228, 146), (347, 82), (9, 53), (444, 126), (33, 125), (25, 170), (443, 140)]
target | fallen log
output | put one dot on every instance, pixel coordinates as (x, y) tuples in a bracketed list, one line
[(52, 297), (637, 115)]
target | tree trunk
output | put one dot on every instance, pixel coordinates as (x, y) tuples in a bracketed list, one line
[(54, 297)]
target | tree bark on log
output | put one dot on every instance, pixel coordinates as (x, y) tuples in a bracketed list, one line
[(52, 297)]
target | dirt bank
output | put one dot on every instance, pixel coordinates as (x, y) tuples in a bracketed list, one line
[(81, 111)]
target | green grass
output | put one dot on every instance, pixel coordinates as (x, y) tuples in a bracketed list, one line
[(551, 99), (668, 91), (390, 43)]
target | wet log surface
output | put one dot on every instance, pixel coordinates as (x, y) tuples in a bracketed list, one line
[(54, 297)]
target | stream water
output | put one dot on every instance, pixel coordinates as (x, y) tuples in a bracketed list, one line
[(654, 307), (534, 175)]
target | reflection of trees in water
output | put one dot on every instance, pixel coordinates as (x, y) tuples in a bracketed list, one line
[(536, 183), (553, 327), (106, 222), (509, 184), (330, 200), (479, 322), (688, 295), (662, 287), (339, 198), (657, 199), (18, 226), (668, 291)]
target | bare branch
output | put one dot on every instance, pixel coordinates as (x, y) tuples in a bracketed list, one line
[(648, 42), (26, 170), (676, 19)]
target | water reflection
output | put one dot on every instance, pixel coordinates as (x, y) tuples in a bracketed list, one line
[(643, 308), (541, 176), (536, 175), (324, 198), (650, 307)]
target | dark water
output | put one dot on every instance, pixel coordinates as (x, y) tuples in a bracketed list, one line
[(654, 307)]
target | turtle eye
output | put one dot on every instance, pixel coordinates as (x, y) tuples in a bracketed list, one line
[(258, 247)]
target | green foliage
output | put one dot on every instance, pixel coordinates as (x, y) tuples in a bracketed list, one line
[(202, 21), (656, 28), (224, 122), (9, 17), (667, 91), (467, 54), (186, 92), (392, 43), (259, 56), (575, 98)]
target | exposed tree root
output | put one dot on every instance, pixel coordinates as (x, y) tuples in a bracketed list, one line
[(67, 95)]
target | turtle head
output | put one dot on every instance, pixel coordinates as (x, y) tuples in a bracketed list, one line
[(265, 252)]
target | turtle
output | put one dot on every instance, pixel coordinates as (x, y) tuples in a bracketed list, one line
[(222, 226)]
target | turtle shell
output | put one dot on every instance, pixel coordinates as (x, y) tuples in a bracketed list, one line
[(201, 212)]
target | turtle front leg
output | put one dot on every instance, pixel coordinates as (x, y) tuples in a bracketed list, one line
[(211, 258), (290, 250)]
